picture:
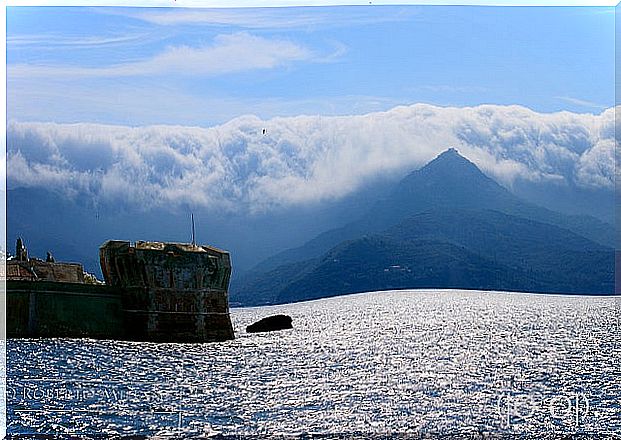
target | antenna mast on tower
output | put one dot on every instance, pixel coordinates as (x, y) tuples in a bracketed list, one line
[(193, 234)]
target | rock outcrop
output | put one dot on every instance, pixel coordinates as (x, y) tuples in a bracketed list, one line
[(271, 323)]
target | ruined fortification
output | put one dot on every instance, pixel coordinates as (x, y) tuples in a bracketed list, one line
[(162, 292), (171, 291)]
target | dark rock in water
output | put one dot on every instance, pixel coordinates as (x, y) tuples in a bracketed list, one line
[(270, 324)]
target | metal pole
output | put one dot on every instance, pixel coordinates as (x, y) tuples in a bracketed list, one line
[(193, 235)]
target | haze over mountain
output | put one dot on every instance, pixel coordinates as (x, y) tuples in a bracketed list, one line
[(73, 229), (445, 225)]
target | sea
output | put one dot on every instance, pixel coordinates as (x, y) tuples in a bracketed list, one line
[(393, 364)]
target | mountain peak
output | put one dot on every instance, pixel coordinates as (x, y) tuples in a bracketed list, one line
[(450, 151), (449, 180), (449, 166), (450, 156)]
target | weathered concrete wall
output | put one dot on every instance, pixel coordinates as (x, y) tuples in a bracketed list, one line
[(171, 291), (39, 309), (51, 309), (174, 315)]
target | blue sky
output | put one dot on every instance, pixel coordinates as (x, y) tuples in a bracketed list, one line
[(138, 66)]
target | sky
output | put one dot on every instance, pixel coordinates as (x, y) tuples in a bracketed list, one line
[(268, 107), (204, 67)]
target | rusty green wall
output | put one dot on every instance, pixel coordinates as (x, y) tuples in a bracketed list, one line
[(177, 315), (49, 309), (39, 309)]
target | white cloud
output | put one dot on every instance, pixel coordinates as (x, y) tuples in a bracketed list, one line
[(263, 18), (305, 158), (228, 53), (581, 102), (55, 41)]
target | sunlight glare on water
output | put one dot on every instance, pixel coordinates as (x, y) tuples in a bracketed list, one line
[(435, 362)]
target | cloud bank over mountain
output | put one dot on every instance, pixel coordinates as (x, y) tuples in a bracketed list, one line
[(253, 164)]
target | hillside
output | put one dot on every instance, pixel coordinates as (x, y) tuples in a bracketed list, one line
[(445, 225), (448, 181)]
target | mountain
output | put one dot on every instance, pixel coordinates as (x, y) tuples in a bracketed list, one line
[(445, 225), (450, 180), (73, 227), (446, 249)]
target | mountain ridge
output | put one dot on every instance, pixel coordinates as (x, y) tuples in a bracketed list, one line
[(560, 261), (445, 174), (450, 190)]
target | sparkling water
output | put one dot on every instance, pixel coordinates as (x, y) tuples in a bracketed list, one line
[(376, 364)]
